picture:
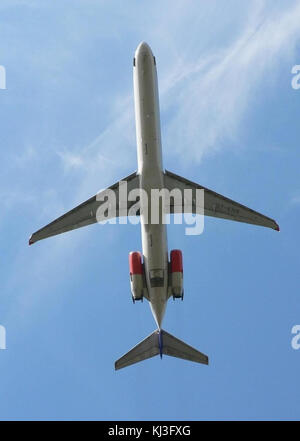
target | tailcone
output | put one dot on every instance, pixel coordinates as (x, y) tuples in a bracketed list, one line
[(158, 310)]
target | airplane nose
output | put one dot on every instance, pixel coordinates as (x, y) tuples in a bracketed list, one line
[(143, 49)]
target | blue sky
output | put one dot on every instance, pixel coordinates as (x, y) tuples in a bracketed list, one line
[(229, 121)]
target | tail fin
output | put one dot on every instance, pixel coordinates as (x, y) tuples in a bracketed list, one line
[(160, 342)]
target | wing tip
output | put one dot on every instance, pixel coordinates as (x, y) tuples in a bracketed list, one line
[(277, 227), (31, 241)]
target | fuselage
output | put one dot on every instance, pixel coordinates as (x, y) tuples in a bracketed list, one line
[(150, 170)]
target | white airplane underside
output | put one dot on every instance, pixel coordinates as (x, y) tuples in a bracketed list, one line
[(152, 274)]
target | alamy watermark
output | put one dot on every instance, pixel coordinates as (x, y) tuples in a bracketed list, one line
[(2, 77), (295, 342), (2, 337), (296, 79), (154, 208)]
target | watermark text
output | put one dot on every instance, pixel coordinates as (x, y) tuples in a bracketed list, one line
[(2, 337)]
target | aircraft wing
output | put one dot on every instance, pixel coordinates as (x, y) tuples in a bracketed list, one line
[(215, 205), (88, 212)]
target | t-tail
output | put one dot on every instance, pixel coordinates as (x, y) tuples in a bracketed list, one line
[(158, 343)]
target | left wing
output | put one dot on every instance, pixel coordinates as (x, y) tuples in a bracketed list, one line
[(215, 204), (87, 213)]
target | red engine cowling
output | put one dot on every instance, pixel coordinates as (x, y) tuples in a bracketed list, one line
[(136, 275), (176, 273)]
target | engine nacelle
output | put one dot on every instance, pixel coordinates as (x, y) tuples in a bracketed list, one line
[(176, 274), (136, 275)]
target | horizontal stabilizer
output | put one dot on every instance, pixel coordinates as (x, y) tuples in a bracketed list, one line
[(160, 342), (147, 348), (176, 348)]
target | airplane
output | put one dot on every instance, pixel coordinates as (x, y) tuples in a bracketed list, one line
[(152, 274)]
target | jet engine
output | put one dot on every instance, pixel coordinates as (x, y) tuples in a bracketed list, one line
[(136, 275), (176, 274)]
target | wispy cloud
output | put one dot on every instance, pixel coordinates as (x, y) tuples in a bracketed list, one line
[(112, 147), (212, 95), (204, 101)]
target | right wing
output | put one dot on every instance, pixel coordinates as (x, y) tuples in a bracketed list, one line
[(87, 213), (215, 204)]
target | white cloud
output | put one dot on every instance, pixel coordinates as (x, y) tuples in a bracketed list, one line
[(212, 95), (203, 100), (70, 160)]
